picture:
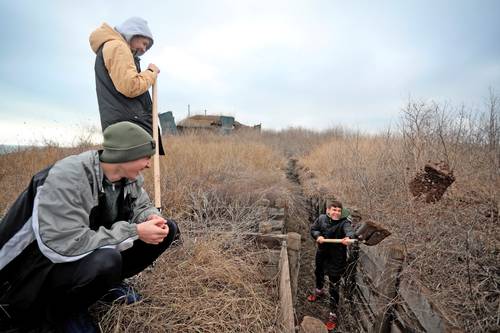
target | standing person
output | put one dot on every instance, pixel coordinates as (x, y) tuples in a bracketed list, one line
[(331, 259), (80, 228), (122, 88)]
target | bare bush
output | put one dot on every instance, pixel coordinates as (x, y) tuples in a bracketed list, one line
[(206, 285), (295, 142), (17, 168), (212, 183), (221, 168), (452, 245), (216, 210)]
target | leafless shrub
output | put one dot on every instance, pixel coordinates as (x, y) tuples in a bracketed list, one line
[(296, 141), (206, 285), (17, 168), (212, 182), (210, 283), (226, 168), (213, 210), (88, 136), (452, 245)]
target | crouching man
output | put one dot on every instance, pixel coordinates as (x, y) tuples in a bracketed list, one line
[(79, 229)]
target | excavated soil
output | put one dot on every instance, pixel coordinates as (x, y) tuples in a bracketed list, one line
[(432, 181)]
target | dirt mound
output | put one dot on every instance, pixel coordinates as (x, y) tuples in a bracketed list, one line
[(432, 182)]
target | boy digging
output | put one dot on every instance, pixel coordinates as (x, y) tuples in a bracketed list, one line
[(331, 259)]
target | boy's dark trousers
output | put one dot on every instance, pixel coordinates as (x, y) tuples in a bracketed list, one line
[(329, 265)]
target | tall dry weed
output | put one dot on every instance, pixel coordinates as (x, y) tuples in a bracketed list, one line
[(452, 245), (206, 284), (215, 172), (210, 183), (17, 168)]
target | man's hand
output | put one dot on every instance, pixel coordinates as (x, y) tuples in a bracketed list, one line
[(154, 68), (153, 231), (154, 216), (320, 239)]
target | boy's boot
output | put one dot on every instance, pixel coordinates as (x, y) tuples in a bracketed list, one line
[(315, 295), (331, 324)]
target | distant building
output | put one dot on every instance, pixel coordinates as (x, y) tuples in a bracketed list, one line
[(167, 123), (220, 124)]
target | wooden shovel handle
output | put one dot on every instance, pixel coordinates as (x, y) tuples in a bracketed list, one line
[(339, 241), (156, 157)]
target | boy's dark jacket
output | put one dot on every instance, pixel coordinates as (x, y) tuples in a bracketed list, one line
[(324, 226)]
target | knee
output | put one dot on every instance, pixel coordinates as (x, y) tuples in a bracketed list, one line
[(174, 232), (108, 263)]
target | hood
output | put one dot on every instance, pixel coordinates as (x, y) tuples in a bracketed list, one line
[(102, 35), (135, 26), (345, 213)]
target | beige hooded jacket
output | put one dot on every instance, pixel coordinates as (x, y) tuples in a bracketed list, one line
[(119, 62)]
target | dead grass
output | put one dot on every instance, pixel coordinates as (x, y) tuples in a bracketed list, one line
[(207, 284), (452, 245), (17, 168), (214, 171), (212, 183)]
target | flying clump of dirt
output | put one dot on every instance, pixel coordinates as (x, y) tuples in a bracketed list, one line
[(432, 182)]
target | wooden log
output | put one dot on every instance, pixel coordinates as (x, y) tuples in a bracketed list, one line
[(271, 240), (365, 315), (387, 287), (375, 254), (428, 314), (293, 247), (365, 292), (286, 303), (405, 320), (367, 265), (276, 213)]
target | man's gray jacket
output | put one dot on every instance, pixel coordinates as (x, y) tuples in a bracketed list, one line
[(53, 221)]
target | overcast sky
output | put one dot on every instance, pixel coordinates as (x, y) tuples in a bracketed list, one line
[(314, 64)]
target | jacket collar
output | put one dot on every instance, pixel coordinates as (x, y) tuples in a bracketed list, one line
[(331, 221)]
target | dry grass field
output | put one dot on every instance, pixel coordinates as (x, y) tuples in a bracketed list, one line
[(207, 283), (210, 183), (452, 245)]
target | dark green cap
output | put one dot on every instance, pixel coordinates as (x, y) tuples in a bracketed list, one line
[(126, 141)]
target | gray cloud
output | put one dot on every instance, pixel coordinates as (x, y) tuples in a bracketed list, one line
[(282, 63)]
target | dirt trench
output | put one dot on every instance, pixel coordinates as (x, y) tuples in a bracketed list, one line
[(299, 222)]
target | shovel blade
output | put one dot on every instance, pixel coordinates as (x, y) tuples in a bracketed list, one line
[(371, 233)]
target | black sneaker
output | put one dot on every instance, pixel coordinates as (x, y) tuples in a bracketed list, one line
[(122, 293), (80, 322)]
